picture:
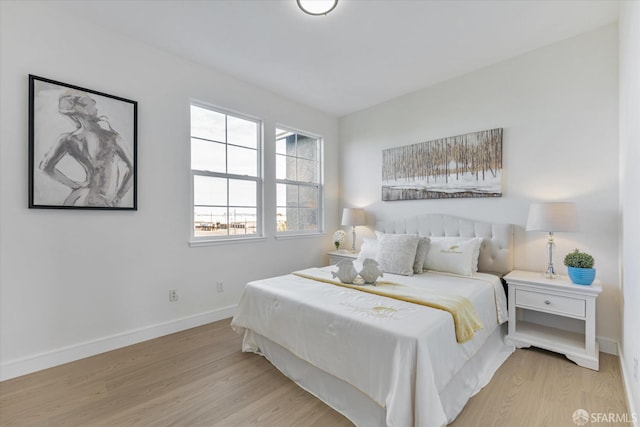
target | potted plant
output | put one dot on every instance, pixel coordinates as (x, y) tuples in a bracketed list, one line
[(580, 267)]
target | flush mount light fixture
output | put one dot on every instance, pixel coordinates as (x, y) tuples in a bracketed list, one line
[(317, 7)]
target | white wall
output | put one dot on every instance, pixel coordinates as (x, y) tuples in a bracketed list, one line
[(74, 283), (558, 108), (630, 196)]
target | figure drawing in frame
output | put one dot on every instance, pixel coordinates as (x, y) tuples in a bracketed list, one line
[(82, 148)]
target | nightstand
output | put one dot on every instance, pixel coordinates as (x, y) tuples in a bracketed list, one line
[(337, 256), (529, 291)]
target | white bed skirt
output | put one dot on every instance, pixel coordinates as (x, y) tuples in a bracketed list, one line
[(357, 406)]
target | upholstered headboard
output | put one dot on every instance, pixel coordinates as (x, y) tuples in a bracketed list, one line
[(496, 252)]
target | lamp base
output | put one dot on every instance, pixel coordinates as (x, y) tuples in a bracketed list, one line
[(550, 273), (353, 240)]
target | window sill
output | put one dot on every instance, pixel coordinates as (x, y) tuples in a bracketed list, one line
[(198, 243)]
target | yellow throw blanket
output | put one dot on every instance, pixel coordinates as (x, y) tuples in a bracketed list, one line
[(464, 314)]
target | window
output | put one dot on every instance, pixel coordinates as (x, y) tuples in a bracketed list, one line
[(298, 182), (225, 171)]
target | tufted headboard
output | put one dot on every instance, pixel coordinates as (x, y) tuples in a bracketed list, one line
[(496, 252)]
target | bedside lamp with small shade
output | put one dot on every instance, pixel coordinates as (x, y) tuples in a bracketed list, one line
[(353, 217), (552, 217)]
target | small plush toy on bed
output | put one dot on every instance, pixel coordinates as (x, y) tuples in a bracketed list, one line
[(370, 271), (346, 271)]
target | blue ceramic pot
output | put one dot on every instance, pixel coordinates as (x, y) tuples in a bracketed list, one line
[(582, 276)]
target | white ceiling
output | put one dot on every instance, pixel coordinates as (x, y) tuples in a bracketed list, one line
[(363, 53)]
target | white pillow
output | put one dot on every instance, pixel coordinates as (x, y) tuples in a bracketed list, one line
[(453, 255), (421, 254), (369, 249), (455, 239), (397, 253)]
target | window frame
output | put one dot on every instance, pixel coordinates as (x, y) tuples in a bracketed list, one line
[(195, 240), (319, 185)]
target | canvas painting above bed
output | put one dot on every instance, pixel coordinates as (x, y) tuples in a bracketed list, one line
[(468, 165)]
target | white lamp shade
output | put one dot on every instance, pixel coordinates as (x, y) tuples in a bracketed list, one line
[(353, 216), (552, 216)]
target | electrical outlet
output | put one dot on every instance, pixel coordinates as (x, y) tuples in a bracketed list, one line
[(635, 368), (173, 295), (220, 286)]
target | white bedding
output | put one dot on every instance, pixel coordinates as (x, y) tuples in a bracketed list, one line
[(402, 356)]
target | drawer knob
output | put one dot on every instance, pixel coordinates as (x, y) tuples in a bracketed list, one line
[(547, 302)]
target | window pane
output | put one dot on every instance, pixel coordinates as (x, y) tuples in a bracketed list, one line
[(242, 193), (209, 191), (292, 219), (308, 197), (308, 219), (281, 167), (307, 147), (242, 221), (242, 132), (291, 169), (287, 195), (242, 161), (281, 219), (292, 195), (285, 142), (209, 221), (307, 170), (281, 193), (281, 146), (207, 124), (285, 167), (207, 156)]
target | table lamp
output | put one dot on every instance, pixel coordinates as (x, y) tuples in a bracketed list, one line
[(552, 217), (353, 217)]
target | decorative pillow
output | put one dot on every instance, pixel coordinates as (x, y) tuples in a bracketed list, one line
[(369, 249), (453, 255), (421, 254), (397, 253)]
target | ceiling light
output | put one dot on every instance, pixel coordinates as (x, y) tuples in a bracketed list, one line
[(317, 7)]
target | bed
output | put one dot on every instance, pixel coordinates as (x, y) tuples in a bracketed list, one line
[(383, 361)]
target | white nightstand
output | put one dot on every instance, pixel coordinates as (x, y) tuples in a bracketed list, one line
[(529, 291), (337, 256)]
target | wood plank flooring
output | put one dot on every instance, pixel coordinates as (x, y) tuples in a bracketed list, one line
[(200, 377)]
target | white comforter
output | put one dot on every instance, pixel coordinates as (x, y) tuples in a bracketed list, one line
[(399, 354)]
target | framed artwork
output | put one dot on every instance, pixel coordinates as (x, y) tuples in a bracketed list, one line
[(468, 165), (82, 148)]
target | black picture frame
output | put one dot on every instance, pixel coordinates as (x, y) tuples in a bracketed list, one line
[(82, 148)]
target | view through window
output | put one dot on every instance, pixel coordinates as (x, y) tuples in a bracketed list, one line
[(225, 168), (298, 182)]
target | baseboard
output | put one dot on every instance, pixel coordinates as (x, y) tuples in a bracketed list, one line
[(27, 365), (626, 381), (608, 345)]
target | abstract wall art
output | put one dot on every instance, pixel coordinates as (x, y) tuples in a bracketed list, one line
[(468, 165)]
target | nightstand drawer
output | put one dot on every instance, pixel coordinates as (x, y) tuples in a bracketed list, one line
[(551, 303)]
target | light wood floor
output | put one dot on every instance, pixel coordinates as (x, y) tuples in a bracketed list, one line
[(199, 377)]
